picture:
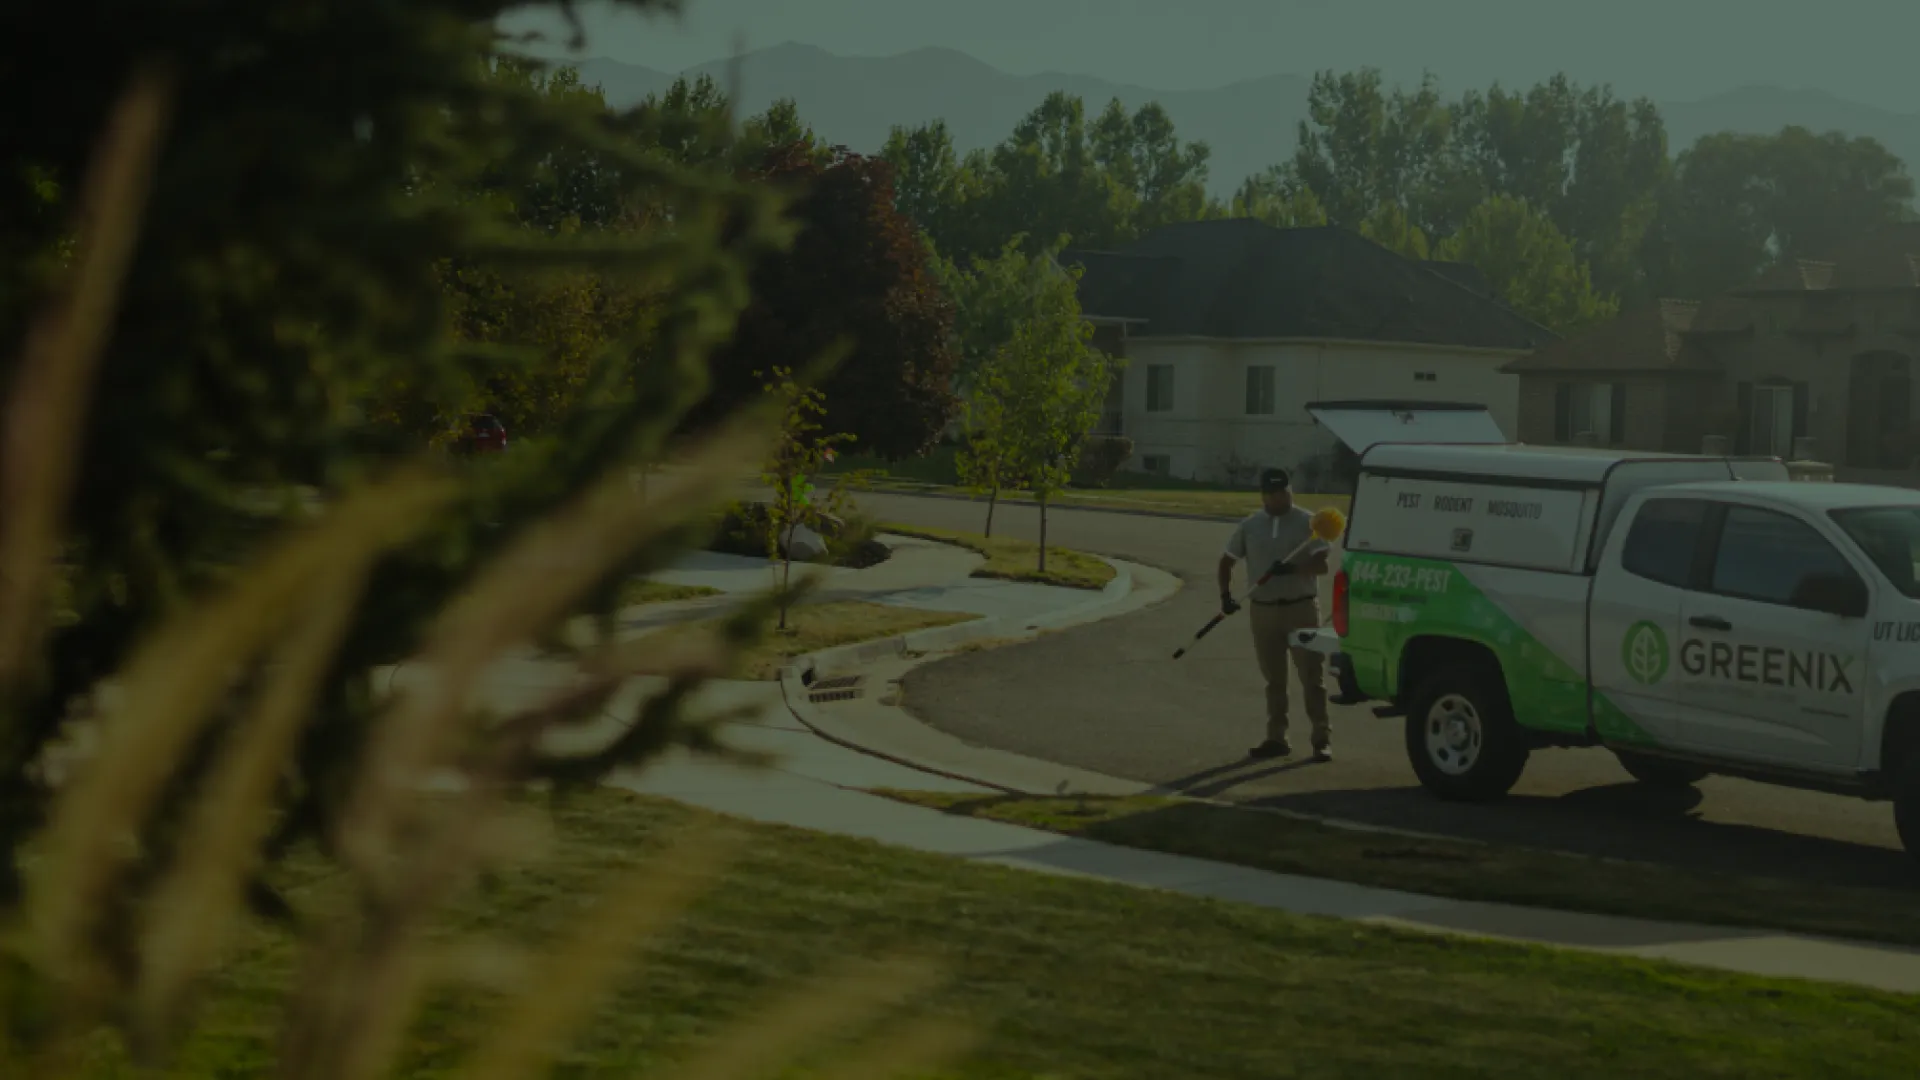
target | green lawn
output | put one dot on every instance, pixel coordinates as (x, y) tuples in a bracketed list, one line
[(641, 591), (1019, 560), (935, 474), (1457, 869), (1069, 979), (812, 627), (1222, 505)]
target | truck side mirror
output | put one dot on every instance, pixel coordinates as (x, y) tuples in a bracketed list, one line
[(1844, 595)]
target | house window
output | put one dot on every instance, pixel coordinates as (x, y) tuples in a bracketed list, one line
[(1426, 376), (1770, 422), (1880, 412), (1260, 391), (1159, 387), (1590, 412), (1157, 464)]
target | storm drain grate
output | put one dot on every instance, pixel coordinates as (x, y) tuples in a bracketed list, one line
[(834, 695), (838, 688)]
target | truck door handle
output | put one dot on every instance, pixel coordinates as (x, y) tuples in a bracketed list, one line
[(1710, 622)]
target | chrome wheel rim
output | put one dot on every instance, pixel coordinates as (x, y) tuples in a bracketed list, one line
[(1455, 735)]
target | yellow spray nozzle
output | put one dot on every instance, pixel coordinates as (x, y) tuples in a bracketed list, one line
[(1328, 524)]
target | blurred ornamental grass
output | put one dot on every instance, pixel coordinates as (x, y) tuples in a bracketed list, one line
[(123, 923)]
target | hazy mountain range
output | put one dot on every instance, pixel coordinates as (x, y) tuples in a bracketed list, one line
[(855, 100)]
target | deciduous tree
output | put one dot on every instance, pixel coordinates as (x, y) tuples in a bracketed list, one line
[(1363, 146), (690, 123), (1271, 197), (1039, 394), (1530, 265), (988, 461), (799, 455), (1159, 178), (561, 320), (857, 279), (993, 296), (993, 299), (1391, 228), (1047, 180), (1594, 164), (1742, 203)]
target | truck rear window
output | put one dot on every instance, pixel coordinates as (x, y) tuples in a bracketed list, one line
[(1890, 535)]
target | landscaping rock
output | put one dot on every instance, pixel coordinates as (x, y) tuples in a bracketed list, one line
[(742, 531), (805, 544)]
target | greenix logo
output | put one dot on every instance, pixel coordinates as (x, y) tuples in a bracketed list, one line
[(1644, 652)]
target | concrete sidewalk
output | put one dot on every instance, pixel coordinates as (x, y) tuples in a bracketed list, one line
[(820, 785), (832, 755), (824, 787)]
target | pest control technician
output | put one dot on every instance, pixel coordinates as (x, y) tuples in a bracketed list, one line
[(1287, 601)]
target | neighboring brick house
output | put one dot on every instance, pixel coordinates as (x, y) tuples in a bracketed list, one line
[(1816, 360), (1230, 326)]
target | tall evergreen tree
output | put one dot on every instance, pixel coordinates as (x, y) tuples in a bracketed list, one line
[(321, 170)]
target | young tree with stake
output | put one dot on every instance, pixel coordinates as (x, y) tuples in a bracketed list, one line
[(988, 462), (1053, 383), (799, 454)]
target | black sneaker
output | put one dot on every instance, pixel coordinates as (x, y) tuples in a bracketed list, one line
[(1323, 755), (1272, 748)]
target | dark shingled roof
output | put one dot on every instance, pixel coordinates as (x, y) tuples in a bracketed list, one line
[(1650, 337), (1113, 286), (1241, 278), (1461, 273)]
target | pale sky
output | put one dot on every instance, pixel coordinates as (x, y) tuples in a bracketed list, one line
[(1863, 50)]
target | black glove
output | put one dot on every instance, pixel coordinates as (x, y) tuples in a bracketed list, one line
[(1280, 568), (1228, 605)]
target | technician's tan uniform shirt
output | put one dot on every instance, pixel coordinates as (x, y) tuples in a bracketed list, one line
[(1265, 539), (1287, 603)]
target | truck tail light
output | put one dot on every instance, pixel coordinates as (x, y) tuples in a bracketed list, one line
[(1340, 603)]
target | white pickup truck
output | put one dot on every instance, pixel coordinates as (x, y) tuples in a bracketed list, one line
[(1694, 615)]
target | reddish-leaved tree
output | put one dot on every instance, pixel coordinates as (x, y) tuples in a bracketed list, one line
[(857, 273)]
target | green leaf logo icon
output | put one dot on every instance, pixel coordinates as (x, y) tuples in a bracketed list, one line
[(1644, 652)]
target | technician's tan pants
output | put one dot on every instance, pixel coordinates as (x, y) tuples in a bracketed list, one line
[(1273, 625)]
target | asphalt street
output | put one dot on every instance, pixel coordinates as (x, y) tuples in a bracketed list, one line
[(1109, 697)]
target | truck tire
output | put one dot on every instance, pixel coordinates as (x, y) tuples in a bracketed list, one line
[(1462, 738), (1659, 772)]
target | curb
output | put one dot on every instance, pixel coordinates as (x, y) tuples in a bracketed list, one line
[(796, 677), (794, 691), (943, 638)]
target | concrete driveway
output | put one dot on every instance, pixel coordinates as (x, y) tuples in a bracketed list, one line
[(1108, 697)]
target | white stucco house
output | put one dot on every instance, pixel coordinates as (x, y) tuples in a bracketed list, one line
[(1231, 326)]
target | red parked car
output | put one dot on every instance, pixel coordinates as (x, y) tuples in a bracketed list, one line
[(485, 434)]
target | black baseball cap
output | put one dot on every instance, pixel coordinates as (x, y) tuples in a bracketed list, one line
[(1275, 480)]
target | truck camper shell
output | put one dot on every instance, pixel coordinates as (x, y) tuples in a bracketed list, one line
[(1440, 480)]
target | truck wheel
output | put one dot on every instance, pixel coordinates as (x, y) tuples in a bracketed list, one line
[(1462, 738), (1660, 772)]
